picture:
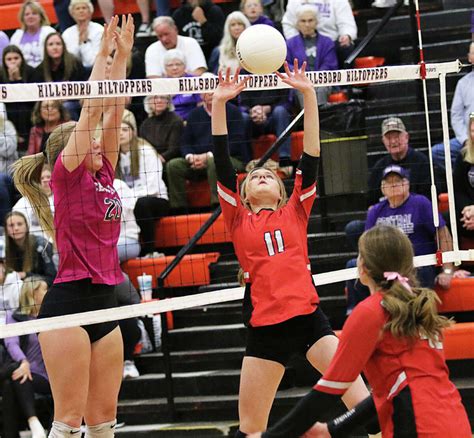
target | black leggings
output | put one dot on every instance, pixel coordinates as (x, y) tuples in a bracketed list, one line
[(131, 334), (147, 210), (19, 402)]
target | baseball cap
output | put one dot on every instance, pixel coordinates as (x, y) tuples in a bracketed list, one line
[(393, 124), (394, 168)]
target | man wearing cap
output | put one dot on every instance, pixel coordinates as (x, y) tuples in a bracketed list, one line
[(412, 214), (395, 139)]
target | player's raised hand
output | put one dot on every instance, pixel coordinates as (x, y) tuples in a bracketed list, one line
[(125, 39), (228, 87), (296, 78), (107, 44)]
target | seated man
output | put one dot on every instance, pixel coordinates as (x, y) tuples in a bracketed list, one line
[(412, 214), (197, 158), (168, 38), (462, 106)]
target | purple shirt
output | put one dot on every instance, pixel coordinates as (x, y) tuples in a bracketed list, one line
[(4, 41), (414, 217), (326, 58), (263, 19), (185, 103), (33, 351), (87, 221)]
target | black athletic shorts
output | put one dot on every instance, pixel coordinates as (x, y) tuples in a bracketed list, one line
[(80, 296), (279, 342)]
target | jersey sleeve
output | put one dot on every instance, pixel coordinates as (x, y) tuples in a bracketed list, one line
[(358, 341)]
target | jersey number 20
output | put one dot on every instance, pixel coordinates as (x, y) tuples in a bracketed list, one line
[(280, 244)]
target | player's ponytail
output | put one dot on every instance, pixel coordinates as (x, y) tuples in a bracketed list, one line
[(387, 255), (27, 175)]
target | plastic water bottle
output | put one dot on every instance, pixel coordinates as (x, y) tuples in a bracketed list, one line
[(145, 286)]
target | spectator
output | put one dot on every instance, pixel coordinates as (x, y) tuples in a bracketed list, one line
[(309, 45), (201, 20), (10, 286), (83, 39), (163, 128), (336, 21), (28, 373), (47, 115), (8, 141), (59, 66), (142, 170), (144, 30), (24, 206), (253, 10), (128, 245), (395, 139), (4, 41), (224, 56), (463, 179), (175, 67), (168, 38), (413, 215), (34, 30), (197, 161), (461, 107), (25, 253), (16, 71), (61, 7), (267, 113)]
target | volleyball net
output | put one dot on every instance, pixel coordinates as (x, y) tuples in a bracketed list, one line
[(348, 154)]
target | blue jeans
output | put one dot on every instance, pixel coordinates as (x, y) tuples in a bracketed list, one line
[(64, 19), (162, 8), (354, 230), (438, 152)]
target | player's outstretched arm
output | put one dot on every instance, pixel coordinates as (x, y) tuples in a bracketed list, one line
[(298, 80)]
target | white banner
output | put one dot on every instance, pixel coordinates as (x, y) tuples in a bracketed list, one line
[(188, 85)]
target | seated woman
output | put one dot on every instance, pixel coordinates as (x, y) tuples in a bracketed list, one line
[(28, 371), (253, 10), (24, 253), (8, 141), (33, 32), (309, 45), (163, 127), (224, 56), (10, 286), (175, 67), (15, 70), (59, 66), (141, 169), (46, 115), (463, 179)]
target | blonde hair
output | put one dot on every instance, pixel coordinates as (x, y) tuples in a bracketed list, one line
[(243, 188), (36, 7), (27, 174), (74, 3), (468, 150), (227, 54), (412, 313), (149, 107), (27, 303)]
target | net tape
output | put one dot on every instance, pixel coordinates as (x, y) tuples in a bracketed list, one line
[(172, 86), (189, 301)]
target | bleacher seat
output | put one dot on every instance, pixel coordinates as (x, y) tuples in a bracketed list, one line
[(459, 297), (193, 270), (443, 205), (261, 144), (459, 341), (369, 61), (340, 96), (198, 193), (174, 231)]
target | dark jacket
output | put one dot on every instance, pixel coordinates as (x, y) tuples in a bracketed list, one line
[(463, 190)]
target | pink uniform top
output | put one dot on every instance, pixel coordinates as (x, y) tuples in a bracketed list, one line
[(87, 221)]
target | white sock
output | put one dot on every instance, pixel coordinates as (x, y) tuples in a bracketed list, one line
[(103, 430), (36, 428), (61, 430)]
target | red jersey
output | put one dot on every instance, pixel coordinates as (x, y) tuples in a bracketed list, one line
[(392, 364), (272, 249)]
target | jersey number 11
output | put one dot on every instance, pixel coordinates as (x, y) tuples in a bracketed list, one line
[(280, 245)]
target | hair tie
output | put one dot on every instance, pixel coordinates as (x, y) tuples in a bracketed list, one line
[(396, 276), (45, 154)]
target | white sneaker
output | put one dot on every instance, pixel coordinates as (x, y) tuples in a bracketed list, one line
[(130, 370), (144, 31), (153, 255), (383, 3)]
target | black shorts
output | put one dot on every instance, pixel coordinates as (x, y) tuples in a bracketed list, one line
[(81, 296), (279, 342)]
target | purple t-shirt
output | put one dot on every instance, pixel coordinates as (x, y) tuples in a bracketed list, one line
[(87, 221), (32, 351), (263, 19), (4, 41), (414, 217), (185, 103), (31, 48)]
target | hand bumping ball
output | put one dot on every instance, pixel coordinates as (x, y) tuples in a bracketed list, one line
[(261, 49)]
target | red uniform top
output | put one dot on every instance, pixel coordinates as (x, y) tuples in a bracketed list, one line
[(391, 364), (272, 249)]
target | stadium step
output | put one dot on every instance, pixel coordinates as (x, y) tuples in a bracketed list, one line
[(439, 52)]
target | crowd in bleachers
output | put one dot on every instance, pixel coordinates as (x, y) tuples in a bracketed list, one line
[(166, 140)]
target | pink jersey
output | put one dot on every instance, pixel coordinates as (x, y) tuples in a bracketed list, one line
[(391, 365), (87, 221)]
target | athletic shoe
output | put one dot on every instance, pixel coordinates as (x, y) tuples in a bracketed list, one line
[(153, 255), (130, 370), (144, 31)]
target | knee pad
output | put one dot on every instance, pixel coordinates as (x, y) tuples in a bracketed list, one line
[(61, 430), (102, 430)]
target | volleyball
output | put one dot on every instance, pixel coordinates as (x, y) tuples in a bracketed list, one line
[(261, 49)]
